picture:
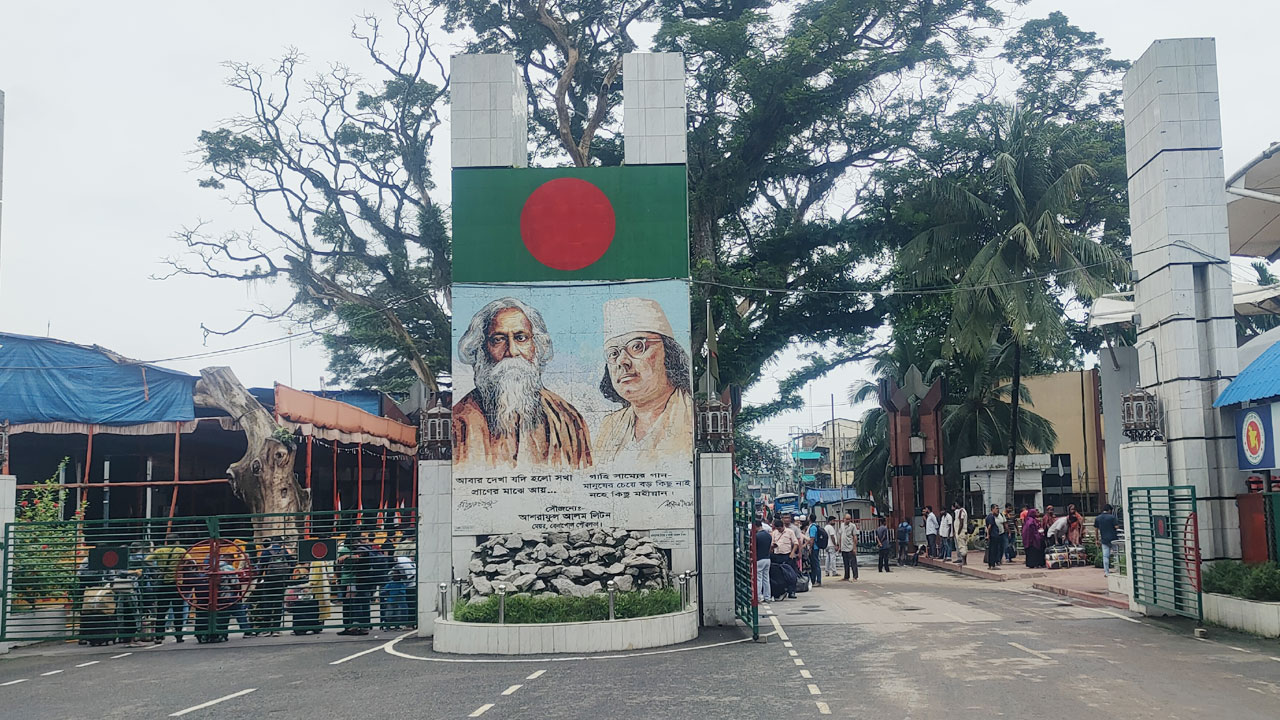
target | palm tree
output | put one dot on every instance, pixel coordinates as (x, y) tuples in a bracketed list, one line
[(1005, 241)]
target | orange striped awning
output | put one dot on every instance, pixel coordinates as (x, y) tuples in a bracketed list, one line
[(334, 420)]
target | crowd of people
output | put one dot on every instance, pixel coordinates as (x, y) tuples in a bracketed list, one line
[(792, 554), (260, 584)]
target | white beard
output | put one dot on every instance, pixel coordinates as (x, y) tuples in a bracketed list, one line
[(510, 394)]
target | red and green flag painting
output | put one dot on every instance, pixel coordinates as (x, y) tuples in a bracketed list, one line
[(605, 223)]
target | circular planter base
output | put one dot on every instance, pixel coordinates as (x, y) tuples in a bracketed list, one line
[(554, 638)]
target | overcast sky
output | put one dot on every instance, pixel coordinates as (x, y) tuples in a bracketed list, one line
[(105, 100)]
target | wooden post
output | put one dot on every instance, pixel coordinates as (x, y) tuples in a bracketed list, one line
[(360, 476), (88, 456), (382, 484), (177, 452), (337, 499)]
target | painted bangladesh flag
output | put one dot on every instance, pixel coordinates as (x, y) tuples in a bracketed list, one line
[(537, 224)]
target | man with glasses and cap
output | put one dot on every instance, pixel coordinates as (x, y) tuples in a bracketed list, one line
[(647, 372)]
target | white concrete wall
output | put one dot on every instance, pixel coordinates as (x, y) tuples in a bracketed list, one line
[(489, 112), (992, 485), (435, 502), (653, 109), (715, 533), (1186, 337), (584, 637), (8, 509)]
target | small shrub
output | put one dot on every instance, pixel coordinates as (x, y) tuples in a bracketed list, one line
[(1225, 577), (530, 609), (1262, 583)]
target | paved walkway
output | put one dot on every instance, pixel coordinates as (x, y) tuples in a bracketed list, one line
[(1081, 583)]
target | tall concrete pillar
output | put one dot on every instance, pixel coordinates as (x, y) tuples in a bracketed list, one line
[(8, 510), (435, 507), (489, 112), (653, 109), (715, 537), (1186, 331)]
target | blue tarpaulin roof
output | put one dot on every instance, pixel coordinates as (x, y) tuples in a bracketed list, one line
[(1261, 379), (47, 380), (823, 496)]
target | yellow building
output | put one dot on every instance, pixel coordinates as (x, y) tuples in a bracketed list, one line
[(1071, 400)]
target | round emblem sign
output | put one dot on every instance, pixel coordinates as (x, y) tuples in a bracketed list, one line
[(567, 223), (1253, 441)]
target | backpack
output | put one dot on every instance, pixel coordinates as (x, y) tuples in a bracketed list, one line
[(823, 539)]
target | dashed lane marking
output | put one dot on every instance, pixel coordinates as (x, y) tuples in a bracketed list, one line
[(1126, 618), (13, 682), (512, 689), (117, 657), (787, 644), (1026, 649), (792, 653), (777, 626), (806, 674), (211, 703), (813, 689), (536, 675), (87, 664), (823, 708), (481, 710), (799, 662), (51, 672)]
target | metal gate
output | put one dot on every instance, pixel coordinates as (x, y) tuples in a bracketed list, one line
[(141, 580), (746, 598), (1165, 540)]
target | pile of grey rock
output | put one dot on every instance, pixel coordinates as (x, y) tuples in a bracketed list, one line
[(577, 563)]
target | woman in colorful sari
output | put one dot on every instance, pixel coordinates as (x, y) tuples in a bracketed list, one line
[(1033, 540), (1075, 526)]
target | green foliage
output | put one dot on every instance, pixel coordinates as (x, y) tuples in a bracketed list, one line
[(44, 557), (756, 456), (560, 608), (1251, 582)]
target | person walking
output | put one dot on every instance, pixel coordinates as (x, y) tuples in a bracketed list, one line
[(849, 546), (884, 543), (1033, 540), (931, 530), (960, 530), (1106, 526), (995, 537), (833, 543), (764, 547), (946, 531), (819, 540), (904, 540)]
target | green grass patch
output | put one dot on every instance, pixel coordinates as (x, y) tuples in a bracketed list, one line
[(1251, 582), (530, 609)]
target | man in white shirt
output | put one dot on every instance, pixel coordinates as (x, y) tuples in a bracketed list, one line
[(931, 530), (833, 545), (945, 531), (961, 531), (849, 546)]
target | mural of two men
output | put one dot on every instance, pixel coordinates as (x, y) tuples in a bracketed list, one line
[(511, 419)]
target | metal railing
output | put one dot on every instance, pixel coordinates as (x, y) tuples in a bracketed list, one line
[(142, 580)]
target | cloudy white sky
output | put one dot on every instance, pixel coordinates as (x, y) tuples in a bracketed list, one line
[(105, 100)]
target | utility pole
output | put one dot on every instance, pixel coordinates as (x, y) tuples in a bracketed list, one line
[(835, 445)]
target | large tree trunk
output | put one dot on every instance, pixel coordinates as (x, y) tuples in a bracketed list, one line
[(1013, 421), (264, 477)]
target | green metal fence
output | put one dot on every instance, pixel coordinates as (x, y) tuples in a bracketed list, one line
[(746, 600), (134, 581), (1165, 539)]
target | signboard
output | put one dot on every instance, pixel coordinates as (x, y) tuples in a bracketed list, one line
[(573, 407), (672, 539), (1255, 438)]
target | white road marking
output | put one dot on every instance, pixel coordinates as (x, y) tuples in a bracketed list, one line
[(51, 672), (511, 689), (391, 650), (787, 644), (1233, 647), (481, 710), (1277, 659), (91, 662), (13, 682), (536, 675), (211, 703), (375, 648), (1256, 690), (1126, 618), (792, 653), (806, 674), (823, 708), (813, 689), (777, 626), (1026, 649), (117, 657), (799, 662)]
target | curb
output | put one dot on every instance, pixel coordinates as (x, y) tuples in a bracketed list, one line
[(972, 572), (1082, 595)]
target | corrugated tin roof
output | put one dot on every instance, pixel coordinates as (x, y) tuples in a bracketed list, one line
[(1261, 379)]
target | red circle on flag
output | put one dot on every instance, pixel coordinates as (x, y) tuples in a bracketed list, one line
[(319, 550), (567, 223), (110, 559)]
